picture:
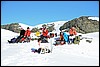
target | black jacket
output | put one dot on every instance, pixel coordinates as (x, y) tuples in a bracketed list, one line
[(22, 32)]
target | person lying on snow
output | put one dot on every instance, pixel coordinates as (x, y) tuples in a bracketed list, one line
[(12, 40), (39, 49), (22, 32), (16, 40)]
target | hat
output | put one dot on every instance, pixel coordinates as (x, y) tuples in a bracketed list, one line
[(28, 28)]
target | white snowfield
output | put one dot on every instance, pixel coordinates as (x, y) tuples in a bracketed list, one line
[(19, 54)]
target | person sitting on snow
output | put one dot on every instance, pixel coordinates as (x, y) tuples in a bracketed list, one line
[(61, 36), (72, 34), (44, 35), (26, 35), (72, 31), (22, 32), (67, 38), (60, 40)]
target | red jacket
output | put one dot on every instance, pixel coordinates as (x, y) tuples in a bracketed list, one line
[(27, 33), (45, 33)]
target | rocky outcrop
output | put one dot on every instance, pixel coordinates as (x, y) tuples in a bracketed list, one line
[(15, 27), (82, 25)]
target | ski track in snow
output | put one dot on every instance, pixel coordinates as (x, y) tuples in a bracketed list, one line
[(19, 54)]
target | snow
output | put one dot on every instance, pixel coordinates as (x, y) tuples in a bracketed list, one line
[(94, 18), (19, 54), (58, 24), (24, 26)]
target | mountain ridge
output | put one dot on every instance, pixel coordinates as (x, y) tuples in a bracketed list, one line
[(57, 26)]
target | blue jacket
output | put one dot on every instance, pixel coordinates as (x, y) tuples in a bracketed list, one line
[(66, 37)]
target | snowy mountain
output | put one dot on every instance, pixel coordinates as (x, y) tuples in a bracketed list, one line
[(56, 23), (15, 27), (83, 24), (19, 54), (94, 18)]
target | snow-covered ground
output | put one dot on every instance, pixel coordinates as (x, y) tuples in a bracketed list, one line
[(19, 54)]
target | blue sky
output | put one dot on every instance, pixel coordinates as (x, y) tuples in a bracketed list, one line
[(38, 12)]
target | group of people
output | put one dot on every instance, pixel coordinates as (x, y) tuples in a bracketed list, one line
[(24, 36), (67, 36), (64, 36)]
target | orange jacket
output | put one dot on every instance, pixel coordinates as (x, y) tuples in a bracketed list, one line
[(45, 33), (72, 32), (27, 33)]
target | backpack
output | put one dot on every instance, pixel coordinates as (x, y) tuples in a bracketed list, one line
[(76, 40)]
